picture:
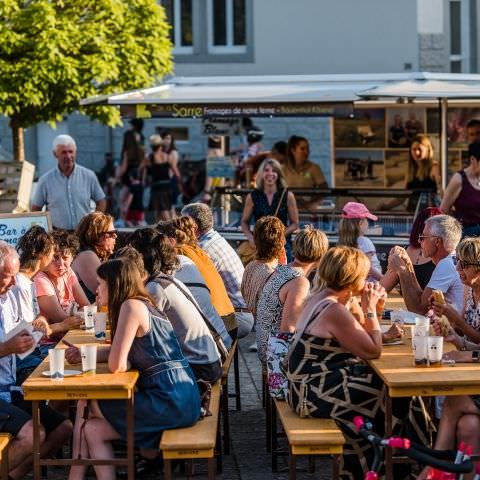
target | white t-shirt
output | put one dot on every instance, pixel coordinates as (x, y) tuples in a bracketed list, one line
[(26, 295), (367, 247), (446, 279)]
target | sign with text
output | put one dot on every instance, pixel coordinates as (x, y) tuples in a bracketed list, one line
[(222, 126), (14, 225), (221, 167)]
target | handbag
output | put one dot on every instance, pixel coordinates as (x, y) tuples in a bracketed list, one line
[(277, 349), (246, 251)]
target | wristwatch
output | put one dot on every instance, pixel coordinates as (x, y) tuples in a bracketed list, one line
[(475, 356)]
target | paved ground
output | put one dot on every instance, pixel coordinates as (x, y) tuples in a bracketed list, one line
[(248, 459)]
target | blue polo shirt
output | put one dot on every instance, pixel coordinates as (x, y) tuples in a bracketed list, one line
[(68, 198)]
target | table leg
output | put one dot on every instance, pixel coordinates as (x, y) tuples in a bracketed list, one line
[(388, 433), (36, 439), (130, 439)]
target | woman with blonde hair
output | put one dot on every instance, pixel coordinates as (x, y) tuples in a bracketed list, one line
[(97, 237), (423, 174), (182, 232), (271, 197), (324, 369)]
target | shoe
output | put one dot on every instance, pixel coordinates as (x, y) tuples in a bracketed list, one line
[(253, 347)]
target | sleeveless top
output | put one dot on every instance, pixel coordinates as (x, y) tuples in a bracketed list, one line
[(270, 308), (428, 185), (423, 273), (467, 204), (261, 208), (472, 312), (159, 173)]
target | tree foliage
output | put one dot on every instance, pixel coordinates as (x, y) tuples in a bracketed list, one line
[(55, 52)]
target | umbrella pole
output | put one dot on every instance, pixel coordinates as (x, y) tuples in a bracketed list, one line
[(443, 103)]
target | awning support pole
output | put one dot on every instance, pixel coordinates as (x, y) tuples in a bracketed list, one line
[(443, 141)]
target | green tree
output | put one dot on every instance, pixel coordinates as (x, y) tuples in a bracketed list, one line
[(55, 52)]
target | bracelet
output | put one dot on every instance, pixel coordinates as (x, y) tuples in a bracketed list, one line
[(371, 315)]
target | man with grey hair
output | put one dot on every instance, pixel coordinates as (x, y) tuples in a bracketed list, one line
[(15, 412), (225, 259), (439, 239), (68, 189)]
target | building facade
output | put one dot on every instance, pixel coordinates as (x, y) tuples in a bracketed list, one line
[(267, 37)]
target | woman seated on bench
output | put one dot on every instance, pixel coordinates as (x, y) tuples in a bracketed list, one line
[(166, 392), (326, 376)]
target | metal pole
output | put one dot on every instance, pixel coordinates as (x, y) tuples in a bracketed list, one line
[(443, 141)]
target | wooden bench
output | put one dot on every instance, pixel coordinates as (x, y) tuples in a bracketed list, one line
[(231, 359), (194, 442), (4, 441), (307, 436)]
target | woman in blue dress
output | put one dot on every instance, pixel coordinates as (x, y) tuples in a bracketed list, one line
[(166, 394)]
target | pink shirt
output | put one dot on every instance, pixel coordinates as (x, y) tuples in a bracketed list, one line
[(63, 291)]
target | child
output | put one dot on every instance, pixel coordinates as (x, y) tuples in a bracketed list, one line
[(132, 209), (351, 233)]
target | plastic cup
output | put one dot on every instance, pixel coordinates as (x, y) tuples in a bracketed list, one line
[(56, 358), (100, 325), (89, 312), (419, 331), (420, 349), (89, 359), (422, 322), (435, 350)]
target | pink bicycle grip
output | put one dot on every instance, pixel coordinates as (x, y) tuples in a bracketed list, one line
[(468, 451), (371, 476), (398, 442), (462, 446), (359, 422)]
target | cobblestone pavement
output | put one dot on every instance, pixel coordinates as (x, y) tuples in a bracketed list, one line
[(248, 459)]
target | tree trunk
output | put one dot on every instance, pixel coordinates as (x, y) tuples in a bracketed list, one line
[(18, 143)]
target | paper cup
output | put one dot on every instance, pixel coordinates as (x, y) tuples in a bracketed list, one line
[(435, 350), (89, 359), (89, 312), (100, 325), (56, 358), (419, 331), (420, 349), (422, 322)]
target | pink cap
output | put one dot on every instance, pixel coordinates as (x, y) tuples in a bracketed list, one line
[(357, 210)]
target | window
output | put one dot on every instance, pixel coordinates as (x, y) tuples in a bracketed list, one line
[(459, 36), (180, 16), (227, 29)]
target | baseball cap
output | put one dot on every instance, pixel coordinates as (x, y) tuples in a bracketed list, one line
[(357, 210)]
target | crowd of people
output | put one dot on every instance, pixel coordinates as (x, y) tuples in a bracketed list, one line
[(178, 296)]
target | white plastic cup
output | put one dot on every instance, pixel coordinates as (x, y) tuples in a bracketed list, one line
[(89, 359), (56, 358), (89, 312), (100, 325), (422, 322), (435, 349), (419, 331), (420, 349)]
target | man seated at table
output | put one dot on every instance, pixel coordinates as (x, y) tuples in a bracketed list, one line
[(440, 237), (15, 412)]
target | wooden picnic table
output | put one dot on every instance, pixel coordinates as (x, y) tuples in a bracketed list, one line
[(101, 386), (403, 379)]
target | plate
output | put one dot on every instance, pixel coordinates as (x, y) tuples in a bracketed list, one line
[(395, 342), (66, 373)]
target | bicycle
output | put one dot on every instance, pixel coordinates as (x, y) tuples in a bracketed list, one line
[(444, 464)]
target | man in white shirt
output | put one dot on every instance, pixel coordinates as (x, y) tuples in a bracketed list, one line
[(439, 239), (15, 413)]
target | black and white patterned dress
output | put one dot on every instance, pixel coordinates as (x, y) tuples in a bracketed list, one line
[(472, 312), (269, 308)]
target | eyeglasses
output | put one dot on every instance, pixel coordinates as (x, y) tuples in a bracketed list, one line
[(110, 234), (463, 264), (421, 238)]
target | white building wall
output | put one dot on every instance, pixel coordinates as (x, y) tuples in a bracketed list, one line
[(335, 36)]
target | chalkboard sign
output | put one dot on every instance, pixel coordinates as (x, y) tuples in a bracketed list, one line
[(14, 225)]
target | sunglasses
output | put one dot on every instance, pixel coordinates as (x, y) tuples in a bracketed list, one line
[(110, 234), (463, 264), (421, 238)]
